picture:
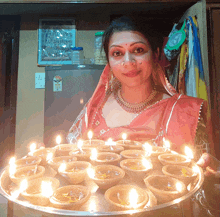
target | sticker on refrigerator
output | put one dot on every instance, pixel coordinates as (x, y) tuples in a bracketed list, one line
[(57, 83)]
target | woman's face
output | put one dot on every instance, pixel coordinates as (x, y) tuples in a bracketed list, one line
[(131, 58)]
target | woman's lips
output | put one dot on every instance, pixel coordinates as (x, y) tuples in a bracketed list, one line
[(132, 73)]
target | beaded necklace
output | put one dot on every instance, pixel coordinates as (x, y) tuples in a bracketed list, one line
[(134, 107)]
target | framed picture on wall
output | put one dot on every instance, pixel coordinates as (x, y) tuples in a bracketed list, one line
[(55, 39)]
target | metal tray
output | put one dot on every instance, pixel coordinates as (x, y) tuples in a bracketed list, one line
[(97, 205)]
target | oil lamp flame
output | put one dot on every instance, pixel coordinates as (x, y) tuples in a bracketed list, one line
[(12, 161), (12, 167), (80, 144), (146, 164), (49, 156), (166, 144), (147, 148), (91, 172), (46, 189), (110, 142), (189, 153), (90, 134), (133, 198), (62, 167), (33, 147), (124, 136), (58, 140), (23, 185), (179, 187), (195, 169), (94, 154)]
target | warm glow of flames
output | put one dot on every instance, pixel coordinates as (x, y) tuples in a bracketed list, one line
[(189, 152), (90, 134), (110, 142), (80, 144), (124, 136), (195, 169), (179, 187), (58, 139), (92, 205), (12, 161), (166, 144), (146, 163), (133, 198), (62, 167), (94, 154), (33, 147), (49, 156), (91, 172), (147, 148), (23, 187), (12, 167), (46, 189)]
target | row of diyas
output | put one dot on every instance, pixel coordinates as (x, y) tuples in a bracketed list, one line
[(28, 174)]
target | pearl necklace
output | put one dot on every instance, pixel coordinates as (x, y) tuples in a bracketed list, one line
[(134, 107)]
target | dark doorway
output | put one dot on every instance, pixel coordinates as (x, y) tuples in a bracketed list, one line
[(9, 47)]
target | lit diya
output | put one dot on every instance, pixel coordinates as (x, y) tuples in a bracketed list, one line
[(123, 197), (28, 172), (107, 148), (104, 158), (183, 173), (82, 154), (154, 151), (70, 196), (106, 176), (64, 149), (136, 168), (174, 159), (165, 188), (57, 161), (43, 154), (129, 144), (133, 154), (28, 161), (40, 190), (74, 172), (93, 143)]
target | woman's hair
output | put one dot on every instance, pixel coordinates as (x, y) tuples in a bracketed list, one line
[(133, 23)]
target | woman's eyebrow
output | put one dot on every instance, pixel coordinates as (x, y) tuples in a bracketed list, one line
[(137, 42)]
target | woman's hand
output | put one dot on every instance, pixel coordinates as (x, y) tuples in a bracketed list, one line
[(211, 164)]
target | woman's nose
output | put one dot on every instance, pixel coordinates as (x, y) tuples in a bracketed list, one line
[(129, 59)]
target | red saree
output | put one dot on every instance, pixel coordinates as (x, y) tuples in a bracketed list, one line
[(174, 118)]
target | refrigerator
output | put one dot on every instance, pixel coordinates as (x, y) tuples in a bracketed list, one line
[(67, 89)]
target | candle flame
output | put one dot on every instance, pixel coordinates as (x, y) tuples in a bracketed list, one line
[(110, 142), (80, 144), (195, 169), (189, 152), (147, 148), (90, 134), (94, 154), (62, 167), (46, 189), (12, 167), (91, 172), (124, 136), (58, 139), (12, 161), (133, 198), (146, 163), (23, 185), (49, 156), (166, 144), (179, 187), (33, 147)]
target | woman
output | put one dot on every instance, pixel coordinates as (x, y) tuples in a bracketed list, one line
[(134, 97)]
